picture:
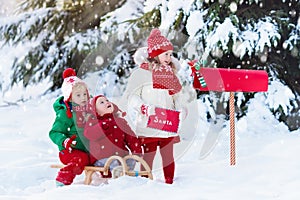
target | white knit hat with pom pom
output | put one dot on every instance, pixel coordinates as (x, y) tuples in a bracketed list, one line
[(70, 79)]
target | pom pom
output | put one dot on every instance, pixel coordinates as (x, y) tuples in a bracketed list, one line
[(68, 72), (155, 32), (124, 114)]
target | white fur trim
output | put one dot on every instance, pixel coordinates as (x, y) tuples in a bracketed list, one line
[(141, 55)]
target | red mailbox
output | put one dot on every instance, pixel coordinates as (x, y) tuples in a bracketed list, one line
[(229, 80)]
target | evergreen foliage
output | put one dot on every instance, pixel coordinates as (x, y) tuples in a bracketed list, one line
[(60, 36), (274, 22)]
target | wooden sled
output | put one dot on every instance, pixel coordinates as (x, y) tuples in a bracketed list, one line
[(89, 170)]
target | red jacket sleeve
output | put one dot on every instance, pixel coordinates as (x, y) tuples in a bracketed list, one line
[(131, 139)]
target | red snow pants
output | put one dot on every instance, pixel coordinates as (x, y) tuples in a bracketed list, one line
[(75, 162)]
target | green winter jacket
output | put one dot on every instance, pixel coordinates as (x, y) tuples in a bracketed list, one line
[(64, 127)]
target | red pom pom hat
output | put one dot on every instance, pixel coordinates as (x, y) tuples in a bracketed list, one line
[(157, 43)]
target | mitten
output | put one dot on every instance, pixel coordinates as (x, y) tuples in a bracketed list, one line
[(147, 110), (70, 143)]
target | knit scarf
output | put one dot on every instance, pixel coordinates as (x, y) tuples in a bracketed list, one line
[(82, 115), (163, 77)]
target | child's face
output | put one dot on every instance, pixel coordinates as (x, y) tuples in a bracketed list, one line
[(165, 58), (80, 95), (104, 106)]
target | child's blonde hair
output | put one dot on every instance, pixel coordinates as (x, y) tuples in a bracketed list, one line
[(79, 86)]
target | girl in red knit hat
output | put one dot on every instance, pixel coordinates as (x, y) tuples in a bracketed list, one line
[(67, 129), (156, 101)]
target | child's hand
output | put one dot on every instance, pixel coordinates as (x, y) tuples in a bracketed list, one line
[(70, 143), (147, 110)]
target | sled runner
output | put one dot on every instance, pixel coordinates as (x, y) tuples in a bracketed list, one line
[(89, 170)]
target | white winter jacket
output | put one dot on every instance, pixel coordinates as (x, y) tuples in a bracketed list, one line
[(140, 91)]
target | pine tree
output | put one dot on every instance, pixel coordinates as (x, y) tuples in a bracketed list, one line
[(276, 23), (63, 32)]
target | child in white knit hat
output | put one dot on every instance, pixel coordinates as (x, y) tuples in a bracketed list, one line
[(67, 129)]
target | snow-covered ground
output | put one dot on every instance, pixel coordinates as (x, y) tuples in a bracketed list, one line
[(267, 161)]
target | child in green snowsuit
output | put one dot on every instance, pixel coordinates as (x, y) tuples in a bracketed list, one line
[(67, 129)]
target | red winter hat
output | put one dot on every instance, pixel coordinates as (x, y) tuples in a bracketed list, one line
[(93, 106), (157, 43)]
